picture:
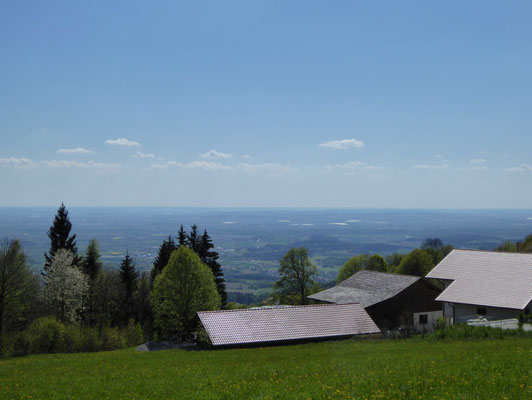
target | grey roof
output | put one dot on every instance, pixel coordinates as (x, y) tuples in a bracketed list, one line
[(486, 278), (230, 327), (367, 288)]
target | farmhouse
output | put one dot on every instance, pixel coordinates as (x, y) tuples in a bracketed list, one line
[(390, 300), (285, 323), (484, 283)]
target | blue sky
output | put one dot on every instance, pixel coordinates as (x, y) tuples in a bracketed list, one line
[(266, 103)]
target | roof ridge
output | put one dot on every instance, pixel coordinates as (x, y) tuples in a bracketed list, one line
[(283, 306), (493, 252)]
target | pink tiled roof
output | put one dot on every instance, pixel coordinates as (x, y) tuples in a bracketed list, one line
[(486, 278), (257, 325)]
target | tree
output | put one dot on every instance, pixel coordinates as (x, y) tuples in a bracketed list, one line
[(91, 267), (142, 306), (59, 234), (107, 298), (351, 266), (297, 274), (18, 288), (210, 258), (182, 238), (128, 278), (418, 262), (194, 239), (507, 247), (66, 287), (526, 245), (91, 263), (377, 263), (183, 288), (436, 249), (166, 248)]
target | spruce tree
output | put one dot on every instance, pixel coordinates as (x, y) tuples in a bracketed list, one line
[(128, 278), (162, 258), (182, 237), (194, 239), (59, 237), (92, 264), (210, 258), (91, 267)]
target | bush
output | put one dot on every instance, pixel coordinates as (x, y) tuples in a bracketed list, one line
[(112, 339), (45, 335), (133, 334), (72, 339), (91, 340), (22, 344), (466, 332)]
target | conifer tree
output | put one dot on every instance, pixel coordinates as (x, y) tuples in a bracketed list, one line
[(182, 237), (210, 258), (194, 239), (128, 278), (166, 248), (60, 238), (91, 267), (92, 264)]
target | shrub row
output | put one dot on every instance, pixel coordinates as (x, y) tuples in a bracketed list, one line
[(466, 332), (48, 335)]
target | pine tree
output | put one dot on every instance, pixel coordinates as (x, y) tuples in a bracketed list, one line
[(166, 248), (182, 237), (128, 278), (210, 258), (59, 238)]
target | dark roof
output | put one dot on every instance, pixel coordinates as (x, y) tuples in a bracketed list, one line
[(256, 325), (486, 278), (367, 288)]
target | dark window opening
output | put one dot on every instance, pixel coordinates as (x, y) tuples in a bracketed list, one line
[(423, 318), (481, 311)]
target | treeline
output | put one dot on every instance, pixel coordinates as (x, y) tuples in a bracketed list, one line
[(76, 304)]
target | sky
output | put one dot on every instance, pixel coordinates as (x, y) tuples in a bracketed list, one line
[(379, 104)]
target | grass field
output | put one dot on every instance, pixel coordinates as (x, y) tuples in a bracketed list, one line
[(412, 369)]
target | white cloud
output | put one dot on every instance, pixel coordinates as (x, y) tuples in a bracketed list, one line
[(352, 165), (268, 168), (343, 144), (442, 159), (122, 142), (437, 167), (477, 161), (77, 150), (246, 157), (77, 164), (140, 154), (17, 162), (215, 166), (215, 154), (520, 168)]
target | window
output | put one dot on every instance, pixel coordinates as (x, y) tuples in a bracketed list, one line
[(423, 319), (481, 311)]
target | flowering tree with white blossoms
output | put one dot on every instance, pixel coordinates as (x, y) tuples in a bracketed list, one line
[(66, 287)]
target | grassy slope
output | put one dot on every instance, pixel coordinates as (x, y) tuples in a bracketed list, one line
[(348, 369)]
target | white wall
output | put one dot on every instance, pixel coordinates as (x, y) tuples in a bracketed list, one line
[(430, 326)]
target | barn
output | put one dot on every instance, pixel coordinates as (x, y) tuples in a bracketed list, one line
[(391, 300), (492, 285)]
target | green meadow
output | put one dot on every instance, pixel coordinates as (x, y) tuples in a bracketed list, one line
[(352, 369)]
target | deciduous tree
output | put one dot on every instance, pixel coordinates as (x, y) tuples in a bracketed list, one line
[(297, 274), (183, 288), (418, 262), (66, 287), (18, 288)]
